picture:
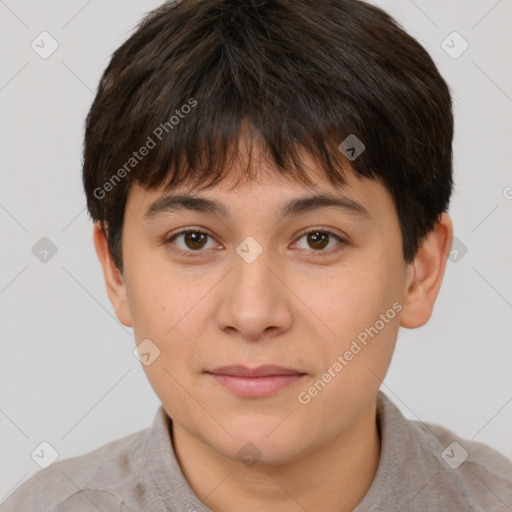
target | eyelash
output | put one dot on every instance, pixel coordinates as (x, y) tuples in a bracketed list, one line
[(199, 254)]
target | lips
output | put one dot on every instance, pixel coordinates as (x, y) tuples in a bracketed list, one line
[(260, 371), (259, 382)]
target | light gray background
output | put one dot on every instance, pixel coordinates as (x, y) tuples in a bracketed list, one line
[(67, 372)]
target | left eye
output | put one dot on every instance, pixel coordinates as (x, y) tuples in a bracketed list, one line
[(318, 239), (194, 240)]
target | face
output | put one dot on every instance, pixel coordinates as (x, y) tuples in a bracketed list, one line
[(318, 293)]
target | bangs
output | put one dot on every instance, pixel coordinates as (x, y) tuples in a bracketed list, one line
[(197, 139), (204, 154)]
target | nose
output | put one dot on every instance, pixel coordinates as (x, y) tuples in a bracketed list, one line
[(255, 302)]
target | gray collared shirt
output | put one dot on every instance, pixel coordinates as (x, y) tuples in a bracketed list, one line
[(423, 467)]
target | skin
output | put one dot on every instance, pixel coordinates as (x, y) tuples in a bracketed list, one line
[(287, 308)]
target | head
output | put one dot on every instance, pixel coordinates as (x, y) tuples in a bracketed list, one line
[(253, 108)]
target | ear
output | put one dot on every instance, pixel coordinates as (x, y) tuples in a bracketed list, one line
[(114, 280), (425, 274)]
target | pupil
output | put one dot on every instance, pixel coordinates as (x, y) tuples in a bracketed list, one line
[(323, 237), (191, 240)]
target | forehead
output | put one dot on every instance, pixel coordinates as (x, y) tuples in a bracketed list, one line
[(264, 185)]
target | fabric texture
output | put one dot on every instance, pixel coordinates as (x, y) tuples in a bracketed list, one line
[(422, 467)]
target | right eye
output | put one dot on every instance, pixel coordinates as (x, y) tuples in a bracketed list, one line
[(192, 242)]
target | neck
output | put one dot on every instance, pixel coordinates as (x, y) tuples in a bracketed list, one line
[(333, 477)]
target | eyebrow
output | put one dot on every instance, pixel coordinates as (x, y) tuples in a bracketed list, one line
[(180, 202)]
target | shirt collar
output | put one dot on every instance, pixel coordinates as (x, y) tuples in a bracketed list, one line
[(396, 481)]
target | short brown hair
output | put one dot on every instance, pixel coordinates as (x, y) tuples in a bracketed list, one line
[(305, 74)]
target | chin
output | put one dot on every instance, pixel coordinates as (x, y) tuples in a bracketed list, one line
[(260, 452), (264, 439)]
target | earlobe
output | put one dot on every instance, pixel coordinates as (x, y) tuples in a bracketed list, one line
[(425, 274), (114, 282)]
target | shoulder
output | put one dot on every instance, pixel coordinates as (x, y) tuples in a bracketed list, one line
[(480, 475), (95, 477), (427, 467)]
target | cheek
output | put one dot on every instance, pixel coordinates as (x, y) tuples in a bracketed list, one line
[(355, 359), (157, 301), (171, 312), (359, 308), (350, 300)]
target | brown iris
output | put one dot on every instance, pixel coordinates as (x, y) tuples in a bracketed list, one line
[(319, 239), (194, 239)]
